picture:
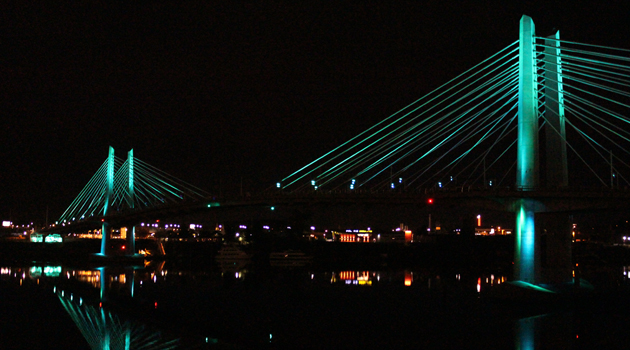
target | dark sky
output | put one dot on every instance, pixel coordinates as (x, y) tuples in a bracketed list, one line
[(213, 92)]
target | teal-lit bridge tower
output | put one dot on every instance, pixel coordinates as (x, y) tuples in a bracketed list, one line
[(526, 256), (122, 188)]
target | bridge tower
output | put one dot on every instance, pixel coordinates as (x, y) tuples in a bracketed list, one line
[(555, 132), (131, 232), (526, 261), (527, 250), (109, 191)]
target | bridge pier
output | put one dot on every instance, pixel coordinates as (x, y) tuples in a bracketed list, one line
[(526, 258), (538, 233), (106, 233)]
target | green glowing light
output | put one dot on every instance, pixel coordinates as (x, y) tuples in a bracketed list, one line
[(526, 285), (527, 141), (214, 204), (525, 243), (53, 238)]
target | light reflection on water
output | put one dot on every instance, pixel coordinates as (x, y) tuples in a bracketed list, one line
[(155, 291)]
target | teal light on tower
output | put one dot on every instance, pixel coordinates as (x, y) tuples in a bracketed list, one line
[(525, 259), (527, 155), (527, 142), (555, 140), (131, 232), (109, 190)]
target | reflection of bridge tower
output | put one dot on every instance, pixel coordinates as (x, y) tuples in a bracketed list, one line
[(527, 246), (104, 330)]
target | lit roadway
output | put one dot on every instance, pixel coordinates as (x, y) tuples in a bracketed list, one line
[(489, 199)]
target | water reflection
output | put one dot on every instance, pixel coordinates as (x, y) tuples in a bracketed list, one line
[(112, 306), (541, 331), (104, 330)]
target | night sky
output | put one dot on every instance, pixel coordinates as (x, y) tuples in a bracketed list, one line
[(212, 92)]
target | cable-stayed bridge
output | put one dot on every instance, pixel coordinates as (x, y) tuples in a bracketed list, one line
[(542, 121), (468, 133), (123, 190)]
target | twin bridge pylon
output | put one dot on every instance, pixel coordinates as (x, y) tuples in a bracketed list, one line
[(481, 129), (129, 186)]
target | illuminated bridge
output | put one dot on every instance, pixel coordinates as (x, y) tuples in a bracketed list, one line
[(124, 191), (541, 126)]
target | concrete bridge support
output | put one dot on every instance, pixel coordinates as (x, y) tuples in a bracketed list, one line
[(526, 266), (131, 231), (557, 174), (109, 191), (532, 224)]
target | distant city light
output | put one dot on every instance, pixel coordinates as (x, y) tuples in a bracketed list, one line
[(312, 228), (278, 185)]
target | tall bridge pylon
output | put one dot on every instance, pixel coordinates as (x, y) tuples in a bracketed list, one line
[(126, 186)]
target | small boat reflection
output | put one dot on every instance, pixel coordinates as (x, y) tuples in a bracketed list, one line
[(289, 258)]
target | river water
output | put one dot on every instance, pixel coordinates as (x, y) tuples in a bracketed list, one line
[(177, 304)]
